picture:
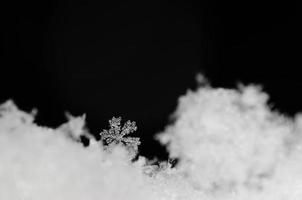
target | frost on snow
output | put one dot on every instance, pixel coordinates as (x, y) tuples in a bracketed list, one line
[(229, 143)]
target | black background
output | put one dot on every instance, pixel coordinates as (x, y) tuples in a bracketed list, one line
[(134, 59)]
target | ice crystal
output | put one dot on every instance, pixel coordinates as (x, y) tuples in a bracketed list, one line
[(116, 134)]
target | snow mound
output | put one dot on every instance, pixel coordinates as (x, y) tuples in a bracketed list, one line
[(231, 145)]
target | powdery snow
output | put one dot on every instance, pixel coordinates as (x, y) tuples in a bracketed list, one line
[(229, 143)]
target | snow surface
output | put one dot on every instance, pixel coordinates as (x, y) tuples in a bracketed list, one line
[(229, 143)]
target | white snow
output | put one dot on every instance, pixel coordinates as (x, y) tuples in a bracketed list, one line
[(229, 143)]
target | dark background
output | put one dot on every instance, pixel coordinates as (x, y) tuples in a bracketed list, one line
[(134, 59)]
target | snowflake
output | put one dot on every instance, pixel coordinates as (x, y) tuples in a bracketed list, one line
[(116, 134)]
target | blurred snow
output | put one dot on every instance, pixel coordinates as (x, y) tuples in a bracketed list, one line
[(42, 163), (229, 143)]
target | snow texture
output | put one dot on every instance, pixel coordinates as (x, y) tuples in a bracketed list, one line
[(229, 142)]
